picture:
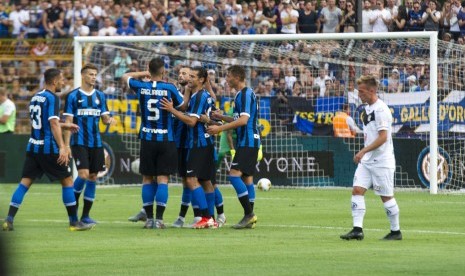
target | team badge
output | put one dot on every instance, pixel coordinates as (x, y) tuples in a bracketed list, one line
[(444, 169)]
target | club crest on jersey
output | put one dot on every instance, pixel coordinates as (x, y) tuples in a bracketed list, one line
[(367, 117), (444, 169), (97, 101)]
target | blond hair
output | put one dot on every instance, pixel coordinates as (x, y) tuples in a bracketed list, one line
[(368, 80)]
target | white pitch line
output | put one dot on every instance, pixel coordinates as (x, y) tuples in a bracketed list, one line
[(282, 226)]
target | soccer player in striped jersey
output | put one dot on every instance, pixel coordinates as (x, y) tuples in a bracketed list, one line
[(157, 137), (245, 123), (182, 144), (85, 106), (46, 151), (200, 159)]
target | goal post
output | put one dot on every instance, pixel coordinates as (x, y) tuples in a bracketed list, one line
[(246, 48)]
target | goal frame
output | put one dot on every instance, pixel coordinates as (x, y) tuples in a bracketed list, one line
[(433, 58)]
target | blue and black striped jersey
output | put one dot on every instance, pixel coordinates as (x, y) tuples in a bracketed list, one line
[(200, 103), (245, 103), (86, 109), (44, 106), (181, 134), (157, 124)]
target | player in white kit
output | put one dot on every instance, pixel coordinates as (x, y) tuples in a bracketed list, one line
[(376, 161)]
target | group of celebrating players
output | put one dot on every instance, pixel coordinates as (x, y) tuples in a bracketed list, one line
[(174, 124), (177, 135)]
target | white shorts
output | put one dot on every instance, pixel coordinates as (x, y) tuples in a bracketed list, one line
[(382, 179)]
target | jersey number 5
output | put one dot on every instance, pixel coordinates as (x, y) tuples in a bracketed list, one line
[(152, 107), (36, 112)]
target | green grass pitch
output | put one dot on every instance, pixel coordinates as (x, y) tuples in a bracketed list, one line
[(297, 234)]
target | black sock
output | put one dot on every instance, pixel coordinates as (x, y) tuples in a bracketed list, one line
[(72, 210), (395, 232), (205, 213), (77, 195), (245, 202), (219, 210), (12, 211), (86, 208), (251, 205), (197, 212), (160, 211), (358, 229), (149, 211), (183, 211)]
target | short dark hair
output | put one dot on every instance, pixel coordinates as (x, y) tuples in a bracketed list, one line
[(155, 66), (88, 66), (201, 73), (50, 75), (237, 71)]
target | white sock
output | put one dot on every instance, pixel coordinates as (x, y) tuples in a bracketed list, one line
[(358, 210), (392, 212)]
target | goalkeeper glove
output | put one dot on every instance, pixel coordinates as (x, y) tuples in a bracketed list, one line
[(233, 152), (260, 154)]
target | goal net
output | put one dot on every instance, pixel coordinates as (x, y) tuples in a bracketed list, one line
[(302, 82)]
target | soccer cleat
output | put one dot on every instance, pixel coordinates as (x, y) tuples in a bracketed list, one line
[(203, 223), (7, 225), (393, 236), (196, 219), (88, 220), (179, 223), (248, 221), (141, 216), (212, 223), (353, 235), (80, 226), (149, 224), (159, 224), (221, 220)]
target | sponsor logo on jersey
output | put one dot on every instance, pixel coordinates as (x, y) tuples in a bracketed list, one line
[(36, 142), (154, 130), (88, 112)]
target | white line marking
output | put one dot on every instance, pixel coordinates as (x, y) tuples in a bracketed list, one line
[(281, 226)]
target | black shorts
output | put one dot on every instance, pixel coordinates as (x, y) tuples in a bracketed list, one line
[(36, 164), (201, 163), (245, 160), (158, 158), (92, 159), (182, 161)]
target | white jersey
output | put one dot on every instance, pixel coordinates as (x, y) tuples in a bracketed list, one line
[(377, 117)]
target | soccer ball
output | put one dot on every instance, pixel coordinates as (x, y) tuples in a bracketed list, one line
[(264, 184), (135, 166)]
